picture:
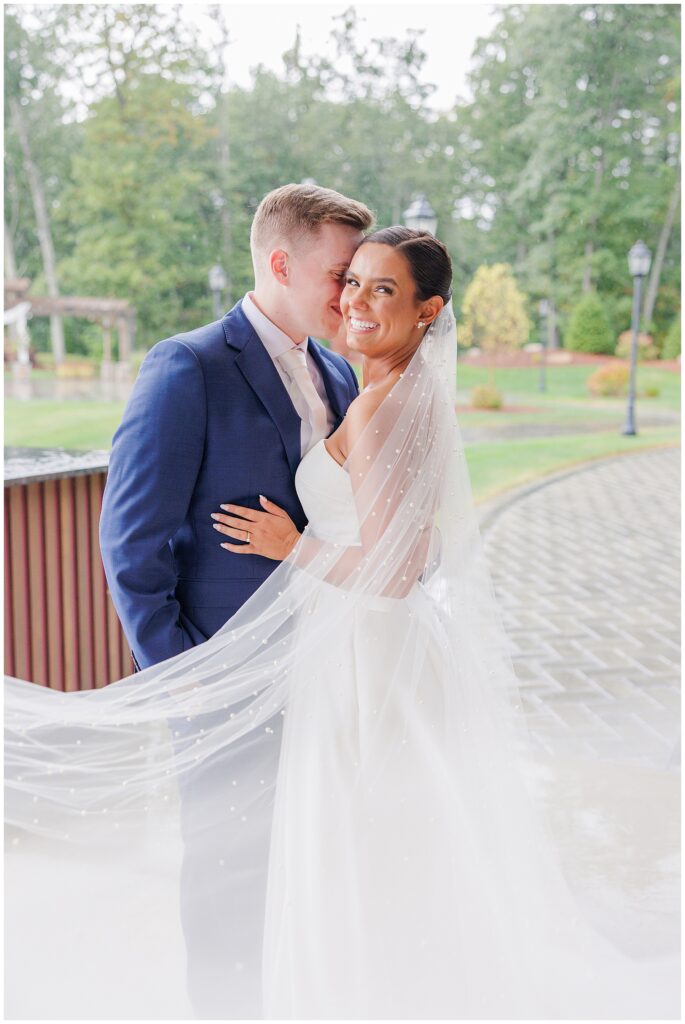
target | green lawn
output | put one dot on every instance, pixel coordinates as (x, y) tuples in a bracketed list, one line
[(88, 425), (571, 415), (47, 424), (565, 382), (35, 374), (504, 448), (499, 465)]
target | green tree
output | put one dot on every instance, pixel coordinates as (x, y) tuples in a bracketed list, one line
[(589, 329), (140, 207), (356, 121), (566, 154), (574, 146), (37, 157)]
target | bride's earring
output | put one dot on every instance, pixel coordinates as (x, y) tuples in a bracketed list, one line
[(421, 323)]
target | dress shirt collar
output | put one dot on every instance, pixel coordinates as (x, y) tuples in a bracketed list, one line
[(275, 341)]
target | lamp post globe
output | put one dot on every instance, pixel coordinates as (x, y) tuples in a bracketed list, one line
[(421, 216), (639, 261), (217, 283)]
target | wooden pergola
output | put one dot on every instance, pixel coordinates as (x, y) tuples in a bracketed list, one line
[(111, 314)]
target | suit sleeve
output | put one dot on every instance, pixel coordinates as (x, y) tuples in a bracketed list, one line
[(156, 456)]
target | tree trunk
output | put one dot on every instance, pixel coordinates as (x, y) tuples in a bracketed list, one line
[(224, 152), (10, 273), (10, 261), (600, 166), (226, 240), (664, 238), (552, 336), (43, 224), (590, 244), (587, 272), (552, 332)]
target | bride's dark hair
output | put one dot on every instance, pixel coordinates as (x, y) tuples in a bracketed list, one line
[(429, 260)]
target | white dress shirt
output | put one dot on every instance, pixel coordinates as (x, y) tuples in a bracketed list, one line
[(276, 342)]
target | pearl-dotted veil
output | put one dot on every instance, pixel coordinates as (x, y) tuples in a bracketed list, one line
[(188, 750)]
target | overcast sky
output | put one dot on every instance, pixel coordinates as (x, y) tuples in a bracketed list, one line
[(262, 32)]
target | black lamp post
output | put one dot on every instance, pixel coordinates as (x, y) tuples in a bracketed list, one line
[(639, 259), (420, 216), (543, 310), (217, 283)]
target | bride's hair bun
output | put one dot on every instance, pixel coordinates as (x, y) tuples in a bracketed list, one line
[(429, 260)]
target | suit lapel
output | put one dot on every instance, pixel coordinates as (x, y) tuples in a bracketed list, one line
[(337, 388), (256, 366)]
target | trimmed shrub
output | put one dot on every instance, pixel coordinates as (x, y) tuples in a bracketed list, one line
[(486, 396), (609, 380), (671, 349), (589, 329), (646, 349), (75, 367)]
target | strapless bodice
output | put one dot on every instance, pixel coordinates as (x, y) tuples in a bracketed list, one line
[(325, 493)]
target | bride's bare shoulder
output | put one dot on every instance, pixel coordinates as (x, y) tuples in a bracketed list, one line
[(361, 411)]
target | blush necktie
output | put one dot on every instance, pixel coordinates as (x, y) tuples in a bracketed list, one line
[(294, 362)]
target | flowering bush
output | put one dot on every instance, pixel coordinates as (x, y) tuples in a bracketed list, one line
[(646, 349), (75, 367), (609, 380)]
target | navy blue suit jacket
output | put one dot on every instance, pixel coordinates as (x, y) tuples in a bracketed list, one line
[(208, 422)]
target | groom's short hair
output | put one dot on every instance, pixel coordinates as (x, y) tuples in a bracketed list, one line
[(292, 211)]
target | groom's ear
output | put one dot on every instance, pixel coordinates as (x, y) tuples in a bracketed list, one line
[(278, 262)]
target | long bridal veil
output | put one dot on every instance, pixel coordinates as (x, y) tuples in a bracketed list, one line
[(105, 788)]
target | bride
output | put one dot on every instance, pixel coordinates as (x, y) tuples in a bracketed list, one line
[(362, 773)]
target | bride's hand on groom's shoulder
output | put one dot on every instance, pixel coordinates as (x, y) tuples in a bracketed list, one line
[(271, 533)]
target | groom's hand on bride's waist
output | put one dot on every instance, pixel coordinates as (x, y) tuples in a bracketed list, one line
[(271, 533)]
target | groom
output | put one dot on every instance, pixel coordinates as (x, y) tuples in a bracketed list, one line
[(219, 415)]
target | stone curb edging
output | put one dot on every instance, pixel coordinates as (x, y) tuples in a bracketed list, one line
[(489, 511)]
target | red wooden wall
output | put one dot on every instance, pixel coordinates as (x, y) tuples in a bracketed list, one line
[(61, 629)]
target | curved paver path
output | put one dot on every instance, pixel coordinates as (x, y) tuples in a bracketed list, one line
[(587, 572)]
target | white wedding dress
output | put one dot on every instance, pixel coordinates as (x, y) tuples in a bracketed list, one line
[(353, 779), (391, 829), (359, 844)]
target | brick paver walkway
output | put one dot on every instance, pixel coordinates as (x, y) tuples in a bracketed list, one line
[(587, 572)]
